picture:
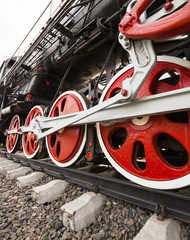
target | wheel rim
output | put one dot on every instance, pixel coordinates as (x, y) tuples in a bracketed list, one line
[(141, 149), (12, 139), (29, 143), (66, 145)]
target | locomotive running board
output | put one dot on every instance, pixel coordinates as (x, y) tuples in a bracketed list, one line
[(175, 204)]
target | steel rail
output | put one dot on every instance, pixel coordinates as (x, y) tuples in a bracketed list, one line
[(166, 203)]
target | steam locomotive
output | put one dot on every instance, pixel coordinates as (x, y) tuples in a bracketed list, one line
[(105, 81)]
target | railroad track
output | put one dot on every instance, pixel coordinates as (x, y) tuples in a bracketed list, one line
[(164, 203)]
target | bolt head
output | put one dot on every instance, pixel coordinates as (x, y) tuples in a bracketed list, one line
[(127, 21), (168, 6), (124, 92), (89, 155), (127, 44)]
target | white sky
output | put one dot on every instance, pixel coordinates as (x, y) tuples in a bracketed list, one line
[(16, 19)]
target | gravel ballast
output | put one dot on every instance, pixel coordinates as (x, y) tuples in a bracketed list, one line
[(22, 218)]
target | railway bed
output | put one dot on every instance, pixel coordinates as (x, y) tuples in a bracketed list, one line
[(164, 203), (27, 218)]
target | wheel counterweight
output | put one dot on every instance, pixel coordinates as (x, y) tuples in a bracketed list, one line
[(153, 150), (66, 145), (29, 143)]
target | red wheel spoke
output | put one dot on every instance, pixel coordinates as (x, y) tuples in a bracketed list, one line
[(69, 105), (26, 139), (14, 136), (28, 144), (126, 150), (179, 131), (54, 148), (37, 113), (29, 120), (155, 166), (184, 78), (59, 107), (35, 143)]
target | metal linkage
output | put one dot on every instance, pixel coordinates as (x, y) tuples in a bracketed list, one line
[(175, 204), (177, 100)]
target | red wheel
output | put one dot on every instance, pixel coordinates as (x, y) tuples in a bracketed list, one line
[(66, 145), (13, 139), (29, 143), (153, 150)]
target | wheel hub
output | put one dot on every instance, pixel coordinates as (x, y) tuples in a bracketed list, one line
[(140, 121)]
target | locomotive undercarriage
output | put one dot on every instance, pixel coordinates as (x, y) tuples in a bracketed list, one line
[(136, 115)]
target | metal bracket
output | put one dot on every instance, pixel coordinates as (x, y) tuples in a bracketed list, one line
[(142, 56), (144, 60)]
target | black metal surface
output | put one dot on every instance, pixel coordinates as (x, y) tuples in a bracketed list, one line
[(50, 32), (176, 204)]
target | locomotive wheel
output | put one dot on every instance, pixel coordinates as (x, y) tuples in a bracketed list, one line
[(66, 145), (29, 143), (13, 140), (152, 150)]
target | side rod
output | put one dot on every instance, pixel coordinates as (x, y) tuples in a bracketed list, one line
[(177, 100)]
